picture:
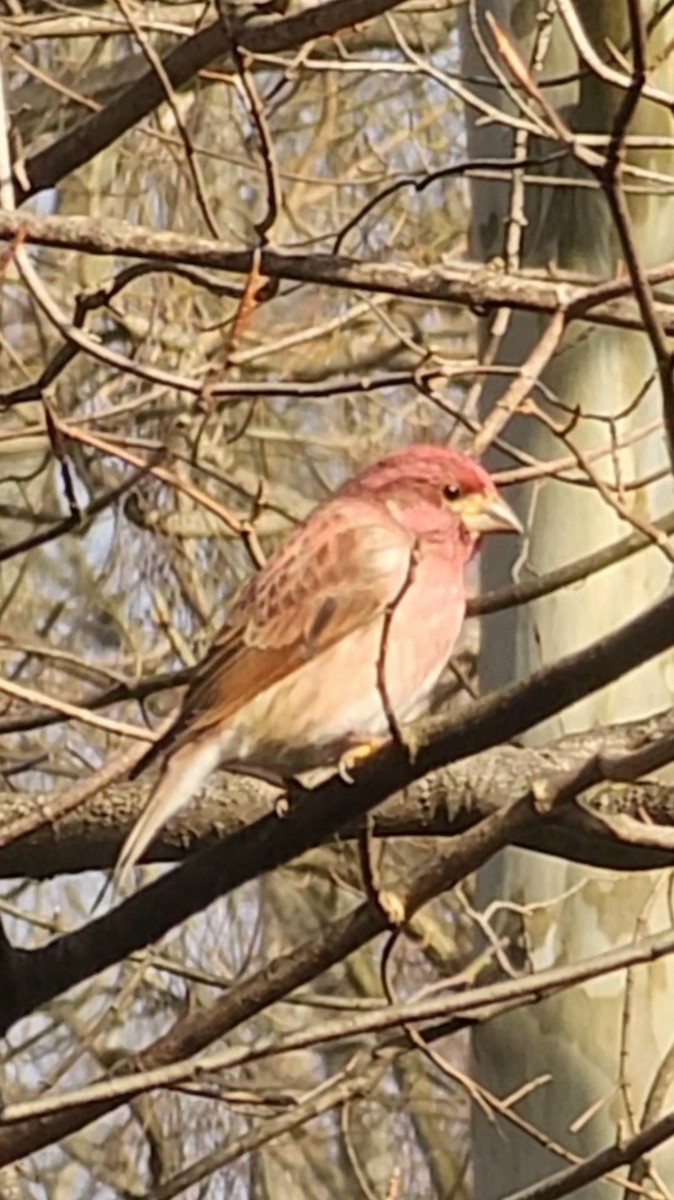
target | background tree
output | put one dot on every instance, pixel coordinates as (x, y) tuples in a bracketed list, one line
[(601, 396), (235, 269)]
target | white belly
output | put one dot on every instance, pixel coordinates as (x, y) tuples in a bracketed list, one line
[(310, 718)]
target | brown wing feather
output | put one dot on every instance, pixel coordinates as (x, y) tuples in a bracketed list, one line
[(336, 574)]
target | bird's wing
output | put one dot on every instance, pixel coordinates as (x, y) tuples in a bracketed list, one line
[(336, 574)]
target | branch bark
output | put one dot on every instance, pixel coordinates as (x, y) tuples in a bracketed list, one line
[(466, 284), (261, 35), (31, 978), (443, 804)]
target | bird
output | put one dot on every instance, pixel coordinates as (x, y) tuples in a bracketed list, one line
[(339, 637)]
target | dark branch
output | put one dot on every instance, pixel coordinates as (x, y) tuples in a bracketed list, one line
[(258, 36), (443, 804), (39, 975)]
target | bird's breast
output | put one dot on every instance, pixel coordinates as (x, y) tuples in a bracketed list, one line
[(309, 718)]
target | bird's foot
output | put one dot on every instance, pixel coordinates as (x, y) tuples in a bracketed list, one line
[(357, 754), (293, 792), (392, 905)]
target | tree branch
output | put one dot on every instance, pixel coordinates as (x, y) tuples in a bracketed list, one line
[(260, 35), (443, 804), (466, 284), (36, 976)]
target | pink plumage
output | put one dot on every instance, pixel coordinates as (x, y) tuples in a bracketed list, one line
[(347, 627)]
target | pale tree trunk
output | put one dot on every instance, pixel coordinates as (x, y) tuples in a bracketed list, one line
[(575, 1039)]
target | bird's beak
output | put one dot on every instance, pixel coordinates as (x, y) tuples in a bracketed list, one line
[(488, 513)]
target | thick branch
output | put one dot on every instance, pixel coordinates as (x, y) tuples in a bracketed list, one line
[(34, 977), (443, 804), (261, 35), (465, 284), (248, 996)]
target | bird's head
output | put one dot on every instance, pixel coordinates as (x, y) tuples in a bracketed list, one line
[(433, 490)]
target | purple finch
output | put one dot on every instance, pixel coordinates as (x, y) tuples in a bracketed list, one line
[(340, 636)]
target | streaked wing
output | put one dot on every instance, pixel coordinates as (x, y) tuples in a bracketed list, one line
[(339, 572), (336, 574)]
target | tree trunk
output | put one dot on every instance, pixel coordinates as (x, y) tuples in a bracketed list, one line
[(572, 1044)]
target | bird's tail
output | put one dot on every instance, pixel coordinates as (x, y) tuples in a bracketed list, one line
[(182, 774)]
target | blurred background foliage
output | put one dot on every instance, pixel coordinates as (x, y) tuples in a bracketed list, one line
[(143, 586)]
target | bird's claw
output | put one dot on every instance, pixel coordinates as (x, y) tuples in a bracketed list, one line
[(356, 755), (293, 791)]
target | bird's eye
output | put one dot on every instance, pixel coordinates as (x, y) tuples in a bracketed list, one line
[(451, 491)]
